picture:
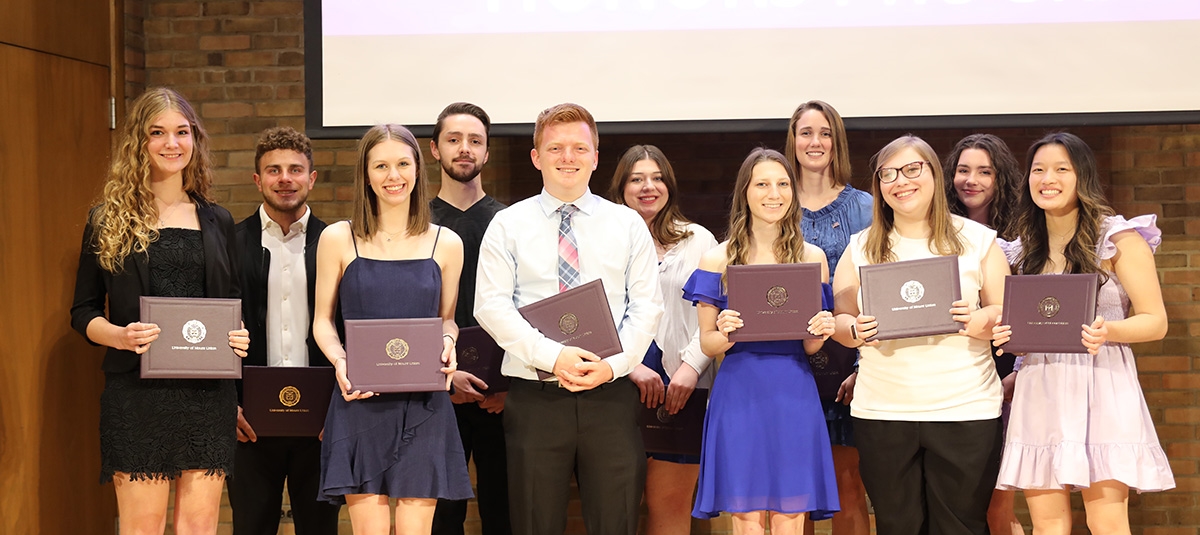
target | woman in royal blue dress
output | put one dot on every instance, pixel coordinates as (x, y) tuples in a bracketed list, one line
[(389, 261), (766, 449)]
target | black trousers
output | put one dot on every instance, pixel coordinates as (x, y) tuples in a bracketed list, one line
[(482, 437), (931, 478), (552, 434), (256, 488)]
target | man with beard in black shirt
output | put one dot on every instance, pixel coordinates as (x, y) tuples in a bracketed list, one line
[(460, 144)]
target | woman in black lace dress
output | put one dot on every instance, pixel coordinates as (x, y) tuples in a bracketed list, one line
[(157, 233)]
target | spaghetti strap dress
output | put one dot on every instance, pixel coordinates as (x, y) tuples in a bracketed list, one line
[(1078, 418), (402, 445), (765, 445)]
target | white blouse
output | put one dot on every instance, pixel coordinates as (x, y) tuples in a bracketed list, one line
[(678, 331)]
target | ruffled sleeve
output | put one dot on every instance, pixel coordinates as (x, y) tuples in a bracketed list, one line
[(705, 287), (1143, 224), (1012, 249)]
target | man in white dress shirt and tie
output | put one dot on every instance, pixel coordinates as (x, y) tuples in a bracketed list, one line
[(583, 420)]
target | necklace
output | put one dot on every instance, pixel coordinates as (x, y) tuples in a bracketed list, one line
[(165, 215), (390, 235)]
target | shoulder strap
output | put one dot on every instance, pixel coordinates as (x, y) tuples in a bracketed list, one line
[(353, 239), (435, 240)]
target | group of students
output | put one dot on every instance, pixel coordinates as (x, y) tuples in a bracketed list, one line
[(917, 425)]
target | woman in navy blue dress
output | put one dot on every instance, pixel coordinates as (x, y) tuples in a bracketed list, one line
[(389, 262), (766, 448)]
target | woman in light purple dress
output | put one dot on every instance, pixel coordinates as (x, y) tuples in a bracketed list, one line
[(1079, 421)]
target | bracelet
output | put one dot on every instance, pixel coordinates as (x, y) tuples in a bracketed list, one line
[(451, 337), (854, 331)]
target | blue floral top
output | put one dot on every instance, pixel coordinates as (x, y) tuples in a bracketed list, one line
[(830, 227)]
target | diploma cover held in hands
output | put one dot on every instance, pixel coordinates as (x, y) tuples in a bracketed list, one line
[(578, 317), (912, 297), (775, 300), (679, 433), (194, 342), (1047, 312), (479, 355), (285, 401), (395, 355)]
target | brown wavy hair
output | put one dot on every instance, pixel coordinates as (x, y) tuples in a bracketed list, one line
[(1030, 226), (789, 246), (944, 237), (668, 226), (1003, 208), (282, 138), (839, 161), (364, 221), (127, 217)]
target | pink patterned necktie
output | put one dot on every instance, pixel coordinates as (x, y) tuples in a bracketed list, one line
[(568, 250)]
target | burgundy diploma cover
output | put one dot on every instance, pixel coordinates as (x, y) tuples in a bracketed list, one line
[(479, 355), (775, 300), (578, 317), (680, 433), (830, 366), (395, 355), (1047, 312), (912, 297), (286, 401), (194, 342)]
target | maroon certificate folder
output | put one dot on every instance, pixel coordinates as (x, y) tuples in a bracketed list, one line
[(479, 355), (775, 300), (578, 317), (287, 401), (194, 342), (679, 433), (395, 355), (830, 366), (1047, 312), (912, 297)]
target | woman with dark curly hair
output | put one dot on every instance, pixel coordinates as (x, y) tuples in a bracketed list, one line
[(984, 183)]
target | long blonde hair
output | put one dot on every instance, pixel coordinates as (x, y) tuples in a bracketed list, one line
[(789, 245), (944, 238), (126, 219)]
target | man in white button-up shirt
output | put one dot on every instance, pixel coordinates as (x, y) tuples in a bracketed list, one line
[(583, 421), (278, 246)]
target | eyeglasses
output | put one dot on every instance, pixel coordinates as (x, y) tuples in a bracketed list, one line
[(887, 175)]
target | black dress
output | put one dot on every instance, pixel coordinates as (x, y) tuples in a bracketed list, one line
[(157, 428)]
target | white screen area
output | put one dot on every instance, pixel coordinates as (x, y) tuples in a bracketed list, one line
[(402, 61)]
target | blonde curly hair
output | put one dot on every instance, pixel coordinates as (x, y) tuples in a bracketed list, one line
[(126, 219)]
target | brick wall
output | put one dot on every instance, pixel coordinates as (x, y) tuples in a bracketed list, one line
[(241, 64)]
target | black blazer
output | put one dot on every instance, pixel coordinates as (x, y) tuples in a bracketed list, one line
[(93, 284), (255, 261)]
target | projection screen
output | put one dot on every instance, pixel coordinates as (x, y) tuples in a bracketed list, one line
[(733, 65)]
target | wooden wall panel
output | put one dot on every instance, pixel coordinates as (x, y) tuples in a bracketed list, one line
[(54, 145), (71, 28)]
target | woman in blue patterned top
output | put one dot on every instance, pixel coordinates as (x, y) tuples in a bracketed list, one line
[(832, 211)]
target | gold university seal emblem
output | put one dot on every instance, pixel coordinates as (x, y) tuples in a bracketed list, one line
[(289, 396), (777, 296), (568, 323), (1049, 307), (469, 355), (818, 360), (397, 349)]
